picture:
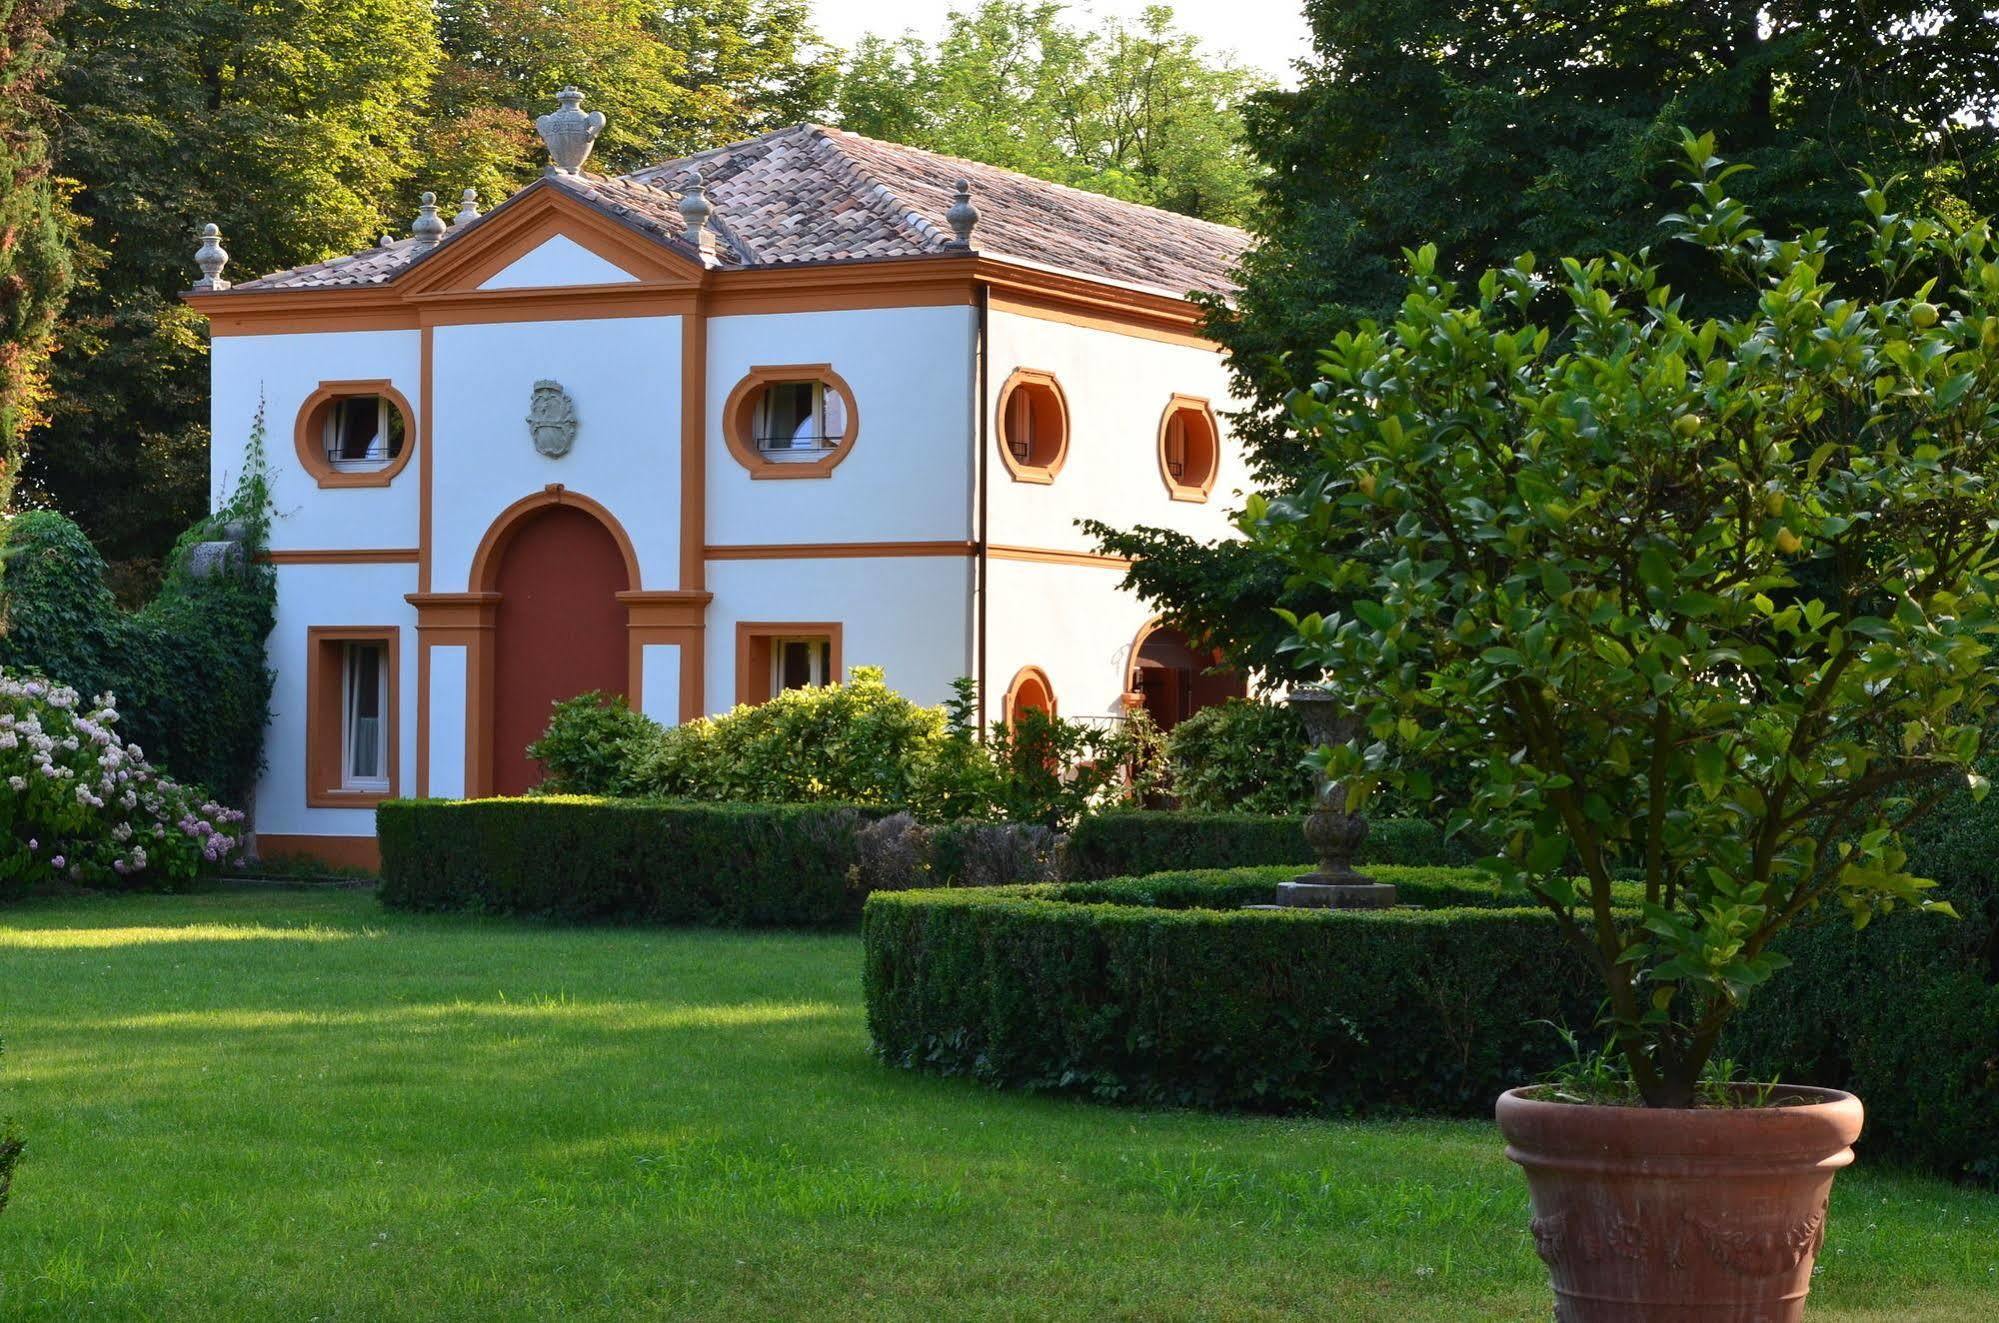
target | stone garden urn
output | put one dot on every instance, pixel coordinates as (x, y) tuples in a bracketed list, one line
[(1333, 833)]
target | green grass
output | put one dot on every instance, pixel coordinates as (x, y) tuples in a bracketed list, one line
[(291, 1105)]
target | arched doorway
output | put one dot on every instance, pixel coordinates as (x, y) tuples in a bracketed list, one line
[(559, 630), (1172, 679), (1029, 692)]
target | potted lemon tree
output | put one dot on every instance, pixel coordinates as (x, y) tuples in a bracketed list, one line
[(1708, 607)]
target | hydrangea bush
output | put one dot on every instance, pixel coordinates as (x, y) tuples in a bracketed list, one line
[(82, 805)]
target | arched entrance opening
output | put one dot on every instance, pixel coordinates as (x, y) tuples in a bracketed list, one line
[(1029, 692), (559, 629), (1172, 679)]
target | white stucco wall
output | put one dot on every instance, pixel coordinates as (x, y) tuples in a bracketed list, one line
[(1070, 620), (286, 369), (325, 595), (906, 614), (908, 476), (557, 260), (623, 374), (1117, 386)]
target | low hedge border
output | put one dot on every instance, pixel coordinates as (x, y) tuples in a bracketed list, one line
[(1162, 990), (568, 857), (1137, 842)]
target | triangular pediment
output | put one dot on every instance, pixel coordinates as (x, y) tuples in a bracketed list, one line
[(556, 261), (545, 237)]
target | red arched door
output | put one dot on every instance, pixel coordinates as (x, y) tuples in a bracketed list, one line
[(560, 630)]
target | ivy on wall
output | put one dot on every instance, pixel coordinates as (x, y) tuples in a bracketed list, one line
[(187, 667)]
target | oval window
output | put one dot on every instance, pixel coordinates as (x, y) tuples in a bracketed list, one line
[(1189, 448), (354, 433), (1033, 426), (790, 422)]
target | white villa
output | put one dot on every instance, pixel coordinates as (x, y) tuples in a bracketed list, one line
[(702, 432)]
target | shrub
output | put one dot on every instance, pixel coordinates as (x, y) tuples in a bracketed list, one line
[(189, 666), (590, 744), (83, 805), (1161, 990), (1242, 756), (574, 858), (1842, 1019), (1137, 841), (1708, 600), (897, 853), (856, 743)]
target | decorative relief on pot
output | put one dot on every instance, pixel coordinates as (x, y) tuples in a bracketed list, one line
[(551, 419), (1765, 1252)]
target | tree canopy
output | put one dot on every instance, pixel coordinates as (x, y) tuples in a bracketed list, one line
[(35, 226), (1491, 130), (305, 128), (1132, 109)]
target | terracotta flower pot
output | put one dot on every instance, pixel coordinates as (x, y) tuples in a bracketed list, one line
[(1657, 1216)]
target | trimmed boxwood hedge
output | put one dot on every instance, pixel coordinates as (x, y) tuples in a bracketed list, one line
[(638, 861), (1162, 990), (1135, 842)]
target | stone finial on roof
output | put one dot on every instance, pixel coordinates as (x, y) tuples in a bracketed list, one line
[(468, 208), (962, 216), (428, 227), (568, 133), (696, 211), (211, 257), (386, 241)]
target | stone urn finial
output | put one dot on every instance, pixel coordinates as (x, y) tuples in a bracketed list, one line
[(962, 215), (468, 208), (695, 209), (211, 257), (1332, 830), (695, 212), (428, 227), (569, 133)]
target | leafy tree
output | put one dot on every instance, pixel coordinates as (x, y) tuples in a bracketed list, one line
[(290, 125), (1553, 127), (35, 230), (1134, 110), (305, 128), (1707, 601)]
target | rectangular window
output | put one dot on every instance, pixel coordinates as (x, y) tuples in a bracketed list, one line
[(350, 728), (776, 656), (365, 765), (799, 663)]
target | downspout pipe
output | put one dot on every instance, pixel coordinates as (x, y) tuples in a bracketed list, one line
[(980, 350)]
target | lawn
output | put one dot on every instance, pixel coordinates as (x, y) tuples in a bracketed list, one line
[(291, 1105)]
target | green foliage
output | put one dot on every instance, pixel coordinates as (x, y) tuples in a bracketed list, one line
[(1842, 1016), (1135, 110), (1141, 841), (575, 858), (188, 667), (857, 743), (1545, 127), (305, 129), (589, 745), (1707, 600), (81, 803), (1242, 756), (292, 125), (1162, 990), (36, 229)]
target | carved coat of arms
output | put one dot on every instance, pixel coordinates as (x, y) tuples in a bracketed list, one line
[(552, 419)]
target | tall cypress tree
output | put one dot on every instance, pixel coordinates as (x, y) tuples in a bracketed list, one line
[(35, 227)]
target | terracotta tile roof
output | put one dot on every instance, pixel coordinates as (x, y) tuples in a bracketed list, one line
[(814, 194)]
